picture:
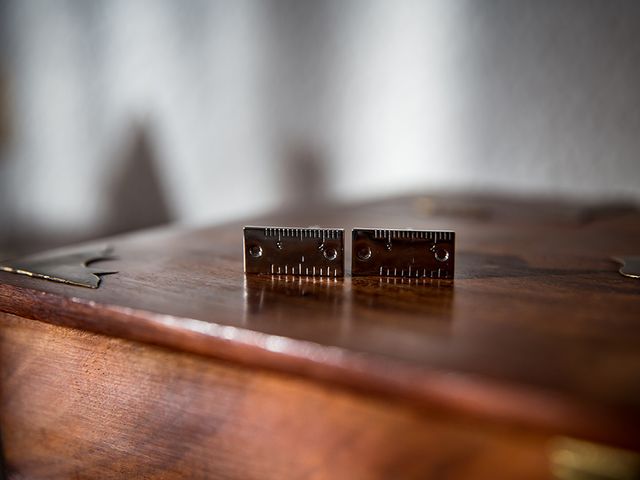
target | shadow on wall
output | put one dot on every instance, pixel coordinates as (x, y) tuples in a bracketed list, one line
[(135, 199), (304, 177), (135, 193)]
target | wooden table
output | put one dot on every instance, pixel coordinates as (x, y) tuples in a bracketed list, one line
[(180, 366)]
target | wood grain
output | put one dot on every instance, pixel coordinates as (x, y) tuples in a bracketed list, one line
[(537, 330), (84, 406)]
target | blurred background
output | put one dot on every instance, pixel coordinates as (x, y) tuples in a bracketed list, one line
[(124, 114)]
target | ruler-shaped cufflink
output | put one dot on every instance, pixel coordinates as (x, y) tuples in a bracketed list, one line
[(403, 253), (294, 251)]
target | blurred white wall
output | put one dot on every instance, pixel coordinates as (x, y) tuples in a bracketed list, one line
[(531, 96)]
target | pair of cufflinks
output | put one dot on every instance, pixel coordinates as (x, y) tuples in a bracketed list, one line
[(375, 252)]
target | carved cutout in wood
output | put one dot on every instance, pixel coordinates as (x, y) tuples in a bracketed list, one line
[(69, 268)]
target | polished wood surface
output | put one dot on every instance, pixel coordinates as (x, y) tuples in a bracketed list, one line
[(538, 329), (86, 406)]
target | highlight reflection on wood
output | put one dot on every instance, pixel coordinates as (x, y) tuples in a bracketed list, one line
[(79, 405)]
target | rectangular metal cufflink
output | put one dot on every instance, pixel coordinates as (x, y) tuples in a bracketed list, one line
[(294, 251), (403, 253)]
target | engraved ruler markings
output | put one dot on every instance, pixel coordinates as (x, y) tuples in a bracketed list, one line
[(403, 253), (294, 251)]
